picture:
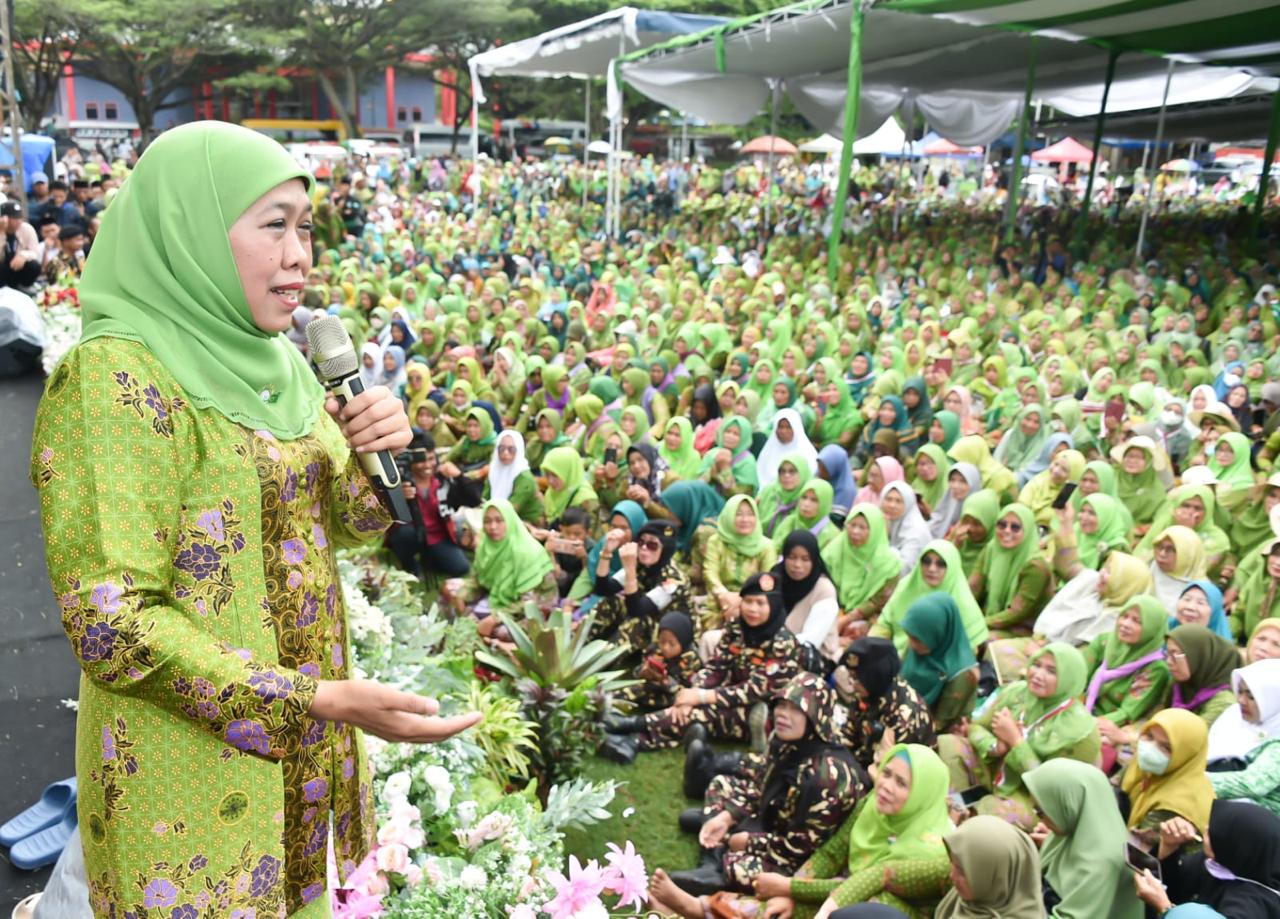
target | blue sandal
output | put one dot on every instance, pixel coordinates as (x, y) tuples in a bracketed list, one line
[(53, 805), (44, 847)]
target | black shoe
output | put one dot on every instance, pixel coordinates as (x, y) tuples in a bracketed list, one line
[(692, 819), (619, 748), (706, 879), (695, 731), (615, 723), (726, 763), (698, 761)]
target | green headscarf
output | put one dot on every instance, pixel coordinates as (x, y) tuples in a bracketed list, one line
[(1213, 538), (1017, 450), (821, 526), (934, 620), (1001, 567), (512, 566), (1085, 864), (950, 423), (165, 276), (915, 832), (684, 462), (1113, 528), (932, 492), (860, 572), (1002, 866), (1238, 476), (485, 420), (1155, 626), (1143, 493), (775, 501), (693, 503), (744, 464), (748, 546), (566, 465), (954, 584)]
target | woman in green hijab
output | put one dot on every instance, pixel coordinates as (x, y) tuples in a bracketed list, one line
[(1132, 651), (863, 566), (677, 449), (729, 467), (939, 569), (933, 466), (1138, 479), (547, 434), (944, 430), (1026, 724), (1231, 464), (1083, 863), (736, 550), (781, 496), (939, 663), (1022, 442), (511, 567), (566, 484), (1011, 579), (1000, 867), (812, 513), (839, 420), (475, 448), (182, 366)]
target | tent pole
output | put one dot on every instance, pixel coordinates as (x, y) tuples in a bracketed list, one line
[(1015, 174), (773, 131), (1151, 189), (899, 190), (852, 102), (586, 142), (1264, 180), (1097, 133), (684, 138)]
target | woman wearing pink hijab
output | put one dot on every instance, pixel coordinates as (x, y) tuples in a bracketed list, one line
[(880, 473), (960, 401)]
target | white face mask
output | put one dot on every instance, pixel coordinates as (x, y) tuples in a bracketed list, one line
[(1231, 379), (1170, 419)]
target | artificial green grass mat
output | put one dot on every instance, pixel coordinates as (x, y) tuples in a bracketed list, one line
[(653, 789)]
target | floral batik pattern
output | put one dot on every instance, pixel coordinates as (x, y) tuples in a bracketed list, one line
[(192, 563)]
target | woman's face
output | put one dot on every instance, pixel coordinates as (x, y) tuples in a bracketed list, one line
[(1009, 531), (953, 402), (798, 563), (926, 468), (755, 610), (875, 477), (554, 482), (1248, 705), (1089, 484), (1030, 424), (1193, 607), (1179, 666), (1189, 513), (474, 431), (271, 245), (1224, 454), (958, 485), (911, 398), (1237, 397), (960, 882), (1135, 460), (808, 506), (546, 431), (1265, 645), (744, 519), (640, 468), (785, 432), (649, 550), (937, 433), (892, 505), (1042, 676), (495, 528), (788, 476), (389, 363), (859, 532), (1273, 564), (506, 445), (732, 438), (933, 569), (1129, 626), (859, 365), (887, 414), (789, 721), (656, 375), (673, 438), (1166, 555), (628, 423), (893, 786)]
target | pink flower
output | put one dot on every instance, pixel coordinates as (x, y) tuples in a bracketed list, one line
[(577, 893), (626, 875), (360, 897), (393, 858), (413, 875)]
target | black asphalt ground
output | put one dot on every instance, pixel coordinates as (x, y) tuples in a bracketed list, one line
[(37, 670)]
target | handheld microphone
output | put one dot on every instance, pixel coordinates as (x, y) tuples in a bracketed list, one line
[(335, 358)]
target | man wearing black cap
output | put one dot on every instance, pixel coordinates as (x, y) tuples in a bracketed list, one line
[(20, 266), (70, 260)]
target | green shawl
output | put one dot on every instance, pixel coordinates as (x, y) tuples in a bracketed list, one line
[(512, 566), (934, 620), (165, 276), (860, 572)]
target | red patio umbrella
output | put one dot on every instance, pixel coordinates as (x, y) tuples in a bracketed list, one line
[(764, 142), (1068, 150)]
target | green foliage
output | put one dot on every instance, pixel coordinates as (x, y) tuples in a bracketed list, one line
[(579, 804), (504, 735), (43, 37)]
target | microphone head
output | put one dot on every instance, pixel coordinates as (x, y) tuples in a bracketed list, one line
[(331, 349)]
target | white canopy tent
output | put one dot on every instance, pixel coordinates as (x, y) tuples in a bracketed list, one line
[(582, 50)]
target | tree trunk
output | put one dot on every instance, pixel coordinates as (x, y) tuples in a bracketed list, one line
[(143, 108), (335, 100), (353, 98)]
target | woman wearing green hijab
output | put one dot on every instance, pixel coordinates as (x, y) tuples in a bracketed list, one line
[(1026, 724), (729, 466), (1021, 444), (182, 366), (863, 566), (511, 567), (547, 434), (566, 484), (475, 448), (1139, 483), (944, 429), (939, 662), (1011, 579), (1191, 506), (1132, 651), (973, 449), (1083, 863), (736, 550), (939, 569), (677, 449), (555, 394), (839, 420), (933, 467), (1001, 870), (1231, 464), (896, 832), (812, 513)]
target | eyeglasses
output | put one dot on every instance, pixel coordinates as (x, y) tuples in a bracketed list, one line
[(652, 545), (1176, 655), (1011, 525), (506, 448), (932, 561)]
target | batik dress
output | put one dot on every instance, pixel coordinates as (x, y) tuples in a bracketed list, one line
[(193, 563)]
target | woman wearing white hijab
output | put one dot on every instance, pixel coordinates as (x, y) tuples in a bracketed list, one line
[(775, 451), (908, 530), (1244, 742), (370, 364), (510, 478), (948, 511)]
